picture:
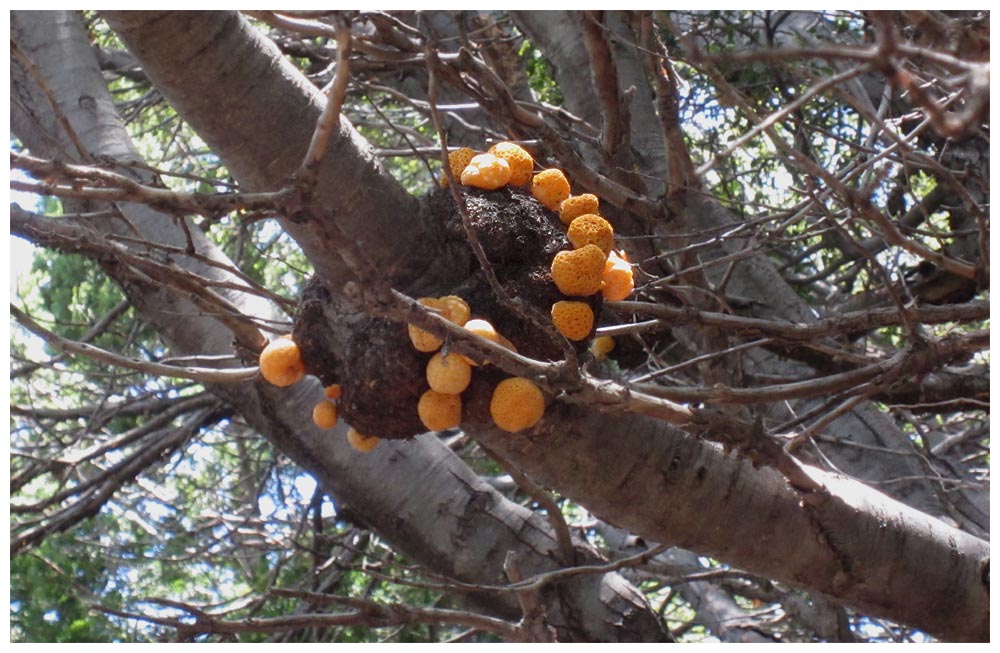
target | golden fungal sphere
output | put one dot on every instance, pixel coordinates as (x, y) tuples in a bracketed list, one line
[(439, 411), (360, 442), (455, 309), (422, 340), (457, 160), (325, 415), (575, 320), (334, 391), (602, 346), (448, 374), (484, 329), (550, 187), (487, 172), (617, 282), (578, 272), (521, 163), (517, 404), (281, 363), (577, 205), (591, 229)]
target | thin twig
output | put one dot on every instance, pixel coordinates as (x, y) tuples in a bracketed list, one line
[(201, 374), (330, 117)]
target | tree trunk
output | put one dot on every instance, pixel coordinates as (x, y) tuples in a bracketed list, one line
[(418, 494), (865, 443), (762, 528), (853, 544)]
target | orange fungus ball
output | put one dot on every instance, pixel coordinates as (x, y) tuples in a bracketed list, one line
[(455, 309), (439, 411), (577, 205), (425, 341), (575, 320), (281, 363), (550, 187), (517, 404), (578, 272), (325, 415), (602, 346), (591, 229), (521, 163), (487, 172), (360, 442), (482, 328), (617, 282), (450, 374), (457, 160)]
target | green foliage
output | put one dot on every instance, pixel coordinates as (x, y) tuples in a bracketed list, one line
[(540, 76), (227, 518), (74, 290), (46, 604)]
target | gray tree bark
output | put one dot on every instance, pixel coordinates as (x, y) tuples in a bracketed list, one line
[(870, 447), (856, 545), (574, 457), (419, 495)]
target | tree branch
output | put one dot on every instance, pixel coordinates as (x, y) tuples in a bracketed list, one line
[(201, 374)]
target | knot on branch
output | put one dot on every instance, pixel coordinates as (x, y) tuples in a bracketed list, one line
[(383, 374)]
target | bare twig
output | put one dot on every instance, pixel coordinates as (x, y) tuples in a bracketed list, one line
[(845, 324), (330, 117), (201, 374), (681, 172), (363, 613), (113, 187)]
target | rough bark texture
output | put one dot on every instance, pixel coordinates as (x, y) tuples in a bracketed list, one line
[(870, 444), (420, 496), (642, 512), (859, 547), (856, 545), (264, 129)]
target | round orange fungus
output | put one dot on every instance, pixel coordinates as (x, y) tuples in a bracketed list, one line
[(602, 346), (425, 340), (455, 309), (577, 273), (575, 320), (550, 187), (449, 374), (517, 404), (487, 172), (439, 411), (577, 205), (482, 328), (325, 415), (457, 160), (281, 363), (362, 443), (591, 229), (616, 281), (521, 163)]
